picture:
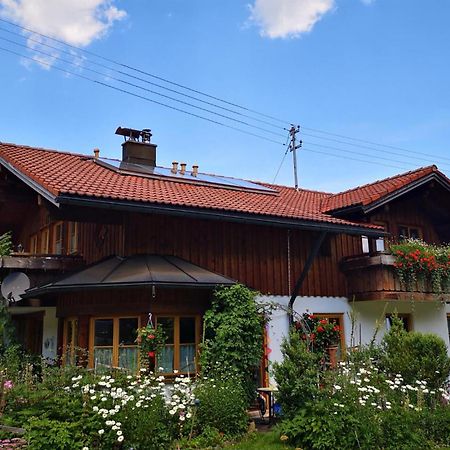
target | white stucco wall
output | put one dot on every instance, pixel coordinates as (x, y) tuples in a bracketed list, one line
[(278, 326), (427, 317), (50, 328)]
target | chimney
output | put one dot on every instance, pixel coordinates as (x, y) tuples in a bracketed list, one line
[(194, 171), (174, 167), (183, 168), (137, 148), (96, 153)]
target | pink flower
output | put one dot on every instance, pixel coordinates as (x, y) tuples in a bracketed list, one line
[(8, 384)]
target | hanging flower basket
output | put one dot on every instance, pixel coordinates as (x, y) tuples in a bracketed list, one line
[(151, 341)]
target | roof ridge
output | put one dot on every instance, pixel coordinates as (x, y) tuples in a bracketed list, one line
[(82, 155), (433, 168), (50, 150)]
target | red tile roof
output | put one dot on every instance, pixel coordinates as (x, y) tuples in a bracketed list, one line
[(372, 192), (62, 173)]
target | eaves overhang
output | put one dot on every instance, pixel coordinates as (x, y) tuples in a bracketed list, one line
[(366, 209), (404, 190), (30, 182), (232, 216)]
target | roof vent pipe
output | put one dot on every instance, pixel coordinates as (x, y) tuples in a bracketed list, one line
[(174, 167), (96, 153), (194, 171), (183, 168)]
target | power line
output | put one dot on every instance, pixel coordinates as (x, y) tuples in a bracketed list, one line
[(69, 72), (236, 105), (145, 73), (354, 159), (358, 153), (373, 143), (282, 159), (375, 149), (242, 122), (104, 66), (202, 117)]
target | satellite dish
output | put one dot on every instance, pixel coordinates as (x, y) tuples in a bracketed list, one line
[(14, 285)]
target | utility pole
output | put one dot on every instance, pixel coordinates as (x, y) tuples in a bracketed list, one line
[(293, 147)]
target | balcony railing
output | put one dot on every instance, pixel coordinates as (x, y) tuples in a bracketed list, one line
[(28, 261), (373, 277)]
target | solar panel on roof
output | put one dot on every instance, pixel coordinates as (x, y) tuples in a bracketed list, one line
[(164, 172)]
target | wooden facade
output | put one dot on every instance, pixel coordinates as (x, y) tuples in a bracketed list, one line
[(266, 258)]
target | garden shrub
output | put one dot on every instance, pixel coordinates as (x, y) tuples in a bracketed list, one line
[(314, 428), (297, 376), (401, 430), (233, 336), (221, 406), (415, 355), (209, 438), (47, 434)]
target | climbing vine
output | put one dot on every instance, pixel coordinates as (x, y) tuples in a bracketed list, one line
[(233, 335)]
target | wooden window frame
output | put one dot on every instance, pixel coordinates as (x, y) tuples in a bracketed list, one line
[(70, 227), (73, 340), (115, 345), (340, 317), (176, 340), (54, 237), (34, 244), (385, 226), (44, 238), (408, 227)]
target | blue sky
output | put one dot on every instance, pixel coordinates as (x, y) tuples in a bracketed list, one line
[(374, 70)]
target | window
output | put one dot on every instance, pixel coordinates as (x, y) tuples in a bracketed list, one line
[(70, 341), (34, 248), (72, 235), (179, 353), (406, 232), (365, 244), (58, 238), (337, 319), (113, 342), (405, 318), (380, 243), (45, 240)]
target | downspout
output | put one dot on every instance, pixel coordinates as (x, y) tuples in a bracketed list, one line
[(314, 251)]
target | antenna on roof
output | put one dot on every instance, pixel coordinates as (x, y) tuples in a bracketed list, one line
[(293, 147)]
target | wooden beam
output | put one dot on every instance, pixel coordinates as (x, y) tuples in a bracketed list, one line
[(314, 251)]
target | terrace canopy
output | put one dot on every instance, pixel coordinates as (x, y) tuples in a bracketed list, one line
[(134, 271)]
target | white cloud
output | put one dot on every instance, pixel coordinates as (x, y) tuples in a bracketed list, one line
[(288, 18), (77, 22)]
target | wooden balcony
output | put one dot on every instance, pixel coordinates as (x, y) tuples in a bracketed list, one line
[(28, 261), (373, 277)]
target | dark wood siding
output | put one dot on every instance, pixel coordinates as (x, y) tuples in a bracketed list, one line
[(254, 255)]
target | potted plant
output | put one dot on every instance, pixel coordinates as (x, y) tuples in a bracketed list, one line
[(322, 335)]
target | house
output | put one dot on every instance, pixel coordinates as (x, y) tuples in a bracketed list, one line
[(105, 245)]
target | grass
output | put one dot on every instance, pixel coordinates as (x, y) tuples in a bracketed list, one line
[(259, 441)]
